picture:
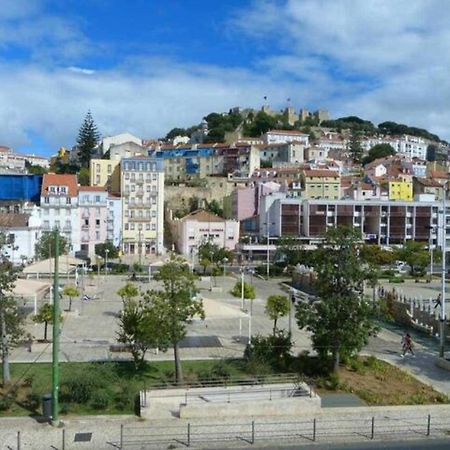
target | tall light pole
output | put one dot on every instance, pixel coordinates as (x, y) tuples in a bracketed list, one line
[(268, 253), (442, 322), (242, 287), (56, 331), (106, 261), (224, 260)]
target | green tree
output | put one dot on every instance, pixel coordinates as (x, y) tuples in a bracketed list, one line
[(45, 316), (378, 151), (214, 207), (176, 304), (83, 176), (87, 141), (174, 132), (376, 256), (11, 321), (45, 247), (416, 256), (340, 321), (249, 290), (355, 148), (277, 306), (70, 291), (128, 292), (35, 169), (141, 327), (100, 250)]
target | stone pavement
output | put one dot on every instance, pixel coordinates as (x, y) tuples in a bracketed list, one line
[(331, 425)]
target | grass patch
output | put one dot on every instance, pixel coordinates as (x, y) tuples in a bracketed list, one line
[(111, 387)]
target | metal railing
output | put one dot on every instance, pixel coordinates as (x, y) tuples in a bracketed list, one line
[(308, 429)]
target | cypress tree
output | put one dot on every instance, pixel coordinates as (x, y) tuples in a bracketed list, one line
[(88, 137)]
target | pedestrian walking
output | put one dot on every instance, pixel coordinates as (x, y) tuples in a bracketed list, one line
[(407, 345)]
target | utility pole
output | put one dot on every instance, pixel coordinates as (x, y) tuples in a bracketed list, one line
[(55, 362), (442, 322), (242, 288)]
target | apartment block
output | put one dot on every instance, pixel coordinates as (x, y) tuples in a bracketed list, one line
[(142, 191), (321, 183), (284, 136), (201, 161), (92, 203), (59, 207), (114, 220), (105, 173)]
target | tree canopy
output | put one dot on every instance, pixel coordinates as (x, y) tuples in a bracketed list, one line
[(416, 256), (355, 148), (378, 151), (87, 141), (100, 250), (340, 320), (277, 306), (45, 247)]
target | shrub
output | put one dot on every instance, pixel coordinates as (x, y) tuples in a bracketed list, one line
[(100, 399), (125, 398), (273, 349), (6, 402), (33, 400), (258, 367), (221, 370), (28, 380)]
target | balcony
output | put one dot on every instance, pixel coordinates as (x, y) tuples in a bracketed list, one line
[(139, 219), (85, 227)]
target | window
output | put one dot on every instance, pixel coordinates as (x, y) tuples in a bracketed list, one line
[(98, 168), (147, 226), (153, 226), (97, 222), (97, 179), (127, 176), (52, 189), (147, 214), (109, 168), (148, 188), (46, 200), (131, 214), (132, 226), (97, 199), (97, 235), (140, 213), (127, 213), (97, 211), (86, 198), (63, 189), (57, 224), (86, 221), (154, 177), (153, 213), (68, 200), (133, 187), (45, 212), (126, 227)]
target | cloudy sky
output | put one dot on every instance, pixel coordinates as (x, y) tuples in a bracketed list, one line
[(147, 66)]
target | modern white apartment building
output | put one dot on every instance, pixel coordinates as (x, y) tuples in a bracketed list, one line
[(59, 207), (142, 190), (284, 136)]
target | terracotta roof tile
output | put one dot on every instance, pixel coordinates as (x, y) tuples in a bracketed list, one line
[(11, 220), (92, 188), (200, 215), (321, 173), (53, 179)]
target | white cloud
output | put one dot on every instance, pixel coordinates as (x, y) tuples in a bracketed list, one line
[(387, 59)]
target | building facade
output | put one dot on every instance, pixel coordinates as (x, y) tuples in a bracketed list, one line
[(114, 220), (320, 183), (105, 173), (284, 136), (199, 226), (92, 204), (142, 191), (59, 207)]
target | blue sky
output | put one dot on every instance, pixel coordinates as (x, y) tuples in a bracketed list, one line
[(147, 66)]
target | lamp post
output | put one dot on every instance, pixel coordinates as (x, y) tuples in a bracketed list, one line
[(444, 254), (106, 261), (267, 224), (242, 288), (251, 272)]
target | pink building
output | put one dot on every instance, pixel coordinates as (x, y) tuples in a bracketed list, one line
[(92, 203), (198, 226)]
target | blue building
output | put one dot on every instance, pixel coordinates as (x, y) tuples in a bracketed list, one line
[(20, 187)]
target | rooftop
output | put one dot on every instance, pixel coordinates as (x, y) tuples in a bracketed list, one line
[(323, 173), (53, 179), (200, 215), (12, 220)]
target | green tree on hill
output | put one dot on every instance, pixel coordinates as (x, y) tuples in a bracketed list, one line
[(87, 141), (378, 151)]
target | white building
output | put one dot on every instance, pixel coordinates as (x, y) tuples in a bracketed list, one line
[(412, 146), (23, 232), (118, 139), (283, 154), (142, 191), (199, 226), (93, 215), (59, 207), (283, 136), (114, 220)]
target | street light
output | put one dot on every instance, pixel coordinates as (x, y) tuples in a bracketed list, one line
[(267, 224), (242, 288), (444, 257), (106, 261)]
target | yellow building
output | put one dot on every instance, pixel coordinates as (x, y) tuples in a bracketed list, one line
[(321, 184), (105, 173), (401, 190)]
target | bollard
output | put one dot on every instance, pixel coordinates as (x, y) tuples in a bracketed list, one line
[(270, 394), (428, 424), (373, 428), (253, 432), (314, 429), (18, 440), (121, 437), (188, 434), (63, 443)]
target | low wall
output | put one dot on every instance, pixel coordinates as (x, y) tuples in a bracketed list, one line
[(296, 406)]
